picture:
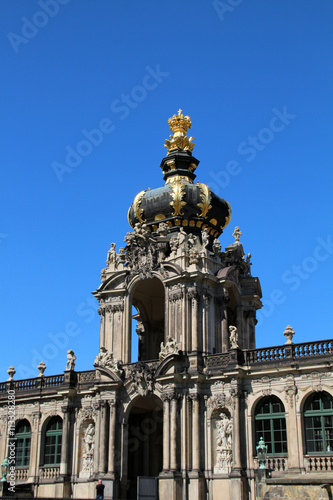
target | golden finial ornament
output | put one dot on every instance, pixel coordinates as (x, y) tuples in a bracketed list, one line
[(179, 124)]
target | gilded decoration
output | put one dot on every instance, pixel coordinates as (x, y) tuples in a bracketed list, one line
[(176, 178), (228, 218), (179, 124), (205, 196), (177, 194), (138, 212)]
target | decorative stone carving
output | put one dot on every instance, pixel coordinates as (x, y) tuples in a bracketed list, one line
[(11, 372), (169, 348), (233, 337), (291, 391), (105, 359), (141, 251), (223, 444), (142, 379), (216, 247), (103, 274), (112, 255), (181, 237), (205, 238), (174, 243), (194, 256), (163, 229), (41, 368), (121, 255), (89, 445), (237, 234), (70, 365), (289, 333), (191, 240), (218, 401)]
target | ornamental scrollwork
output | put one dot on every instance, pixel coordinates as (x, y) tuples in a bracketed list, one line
[(177, 193), (205, 195)]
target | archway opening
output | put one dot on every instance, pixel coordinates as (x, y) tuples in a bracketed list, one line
[(148, 300), (145, 440)]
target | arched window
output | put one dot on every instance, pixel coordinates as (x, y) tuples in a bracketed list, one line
[(318, 423), (23, 441), (270, 424), (53, 435)]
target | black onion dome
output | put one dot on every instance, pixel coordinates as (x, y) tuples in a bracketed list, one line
[(180, 202)]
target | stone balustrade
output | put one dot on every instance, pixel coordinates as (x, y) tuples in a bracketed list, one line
[(322, 463), (300, 352), (49, 472), (21, 474)]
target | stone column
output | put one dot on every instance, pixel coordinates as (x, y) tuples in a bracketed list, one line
[(97, 406), (224, 326), (112, 436), (194, 320), (101, 312), (103, 442), (236, 430), (173, 433), (166, 433), (184, 441), (236, 478), (183, 318), (292, 434), (195, 432), (225, 331), (64, 441), (34, 451)]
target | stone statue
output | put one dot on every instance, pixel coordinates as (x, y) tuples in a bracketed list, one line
[(174, 243), (163, 229), (89, 444), (170, 347), (89, 438), (112, 255), (121, 255), (103, 274), (223, 444), (105, 359), (191, 240), (233, 337), (194, 256), (70, 365), (237, 234), (205, 238), (181, 238), (216, 246)]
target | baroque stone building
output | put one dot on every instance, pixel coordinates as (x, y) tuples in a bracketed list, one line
[(185, 418)]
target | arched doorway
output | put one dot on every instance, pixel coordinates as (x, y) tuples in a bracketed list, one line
[(145, 440), (148, 299)]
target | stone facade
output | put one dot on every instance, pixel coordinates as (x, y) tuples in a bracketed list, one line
[(187, 412)]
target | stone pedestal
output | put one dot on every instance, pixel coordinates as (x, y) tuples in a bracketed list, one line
[(196, 486), (170, 487)]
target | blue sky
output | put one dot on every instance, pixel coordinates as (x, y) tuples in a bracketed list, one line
[(255, 78)]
